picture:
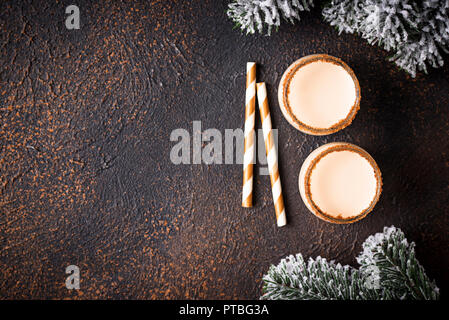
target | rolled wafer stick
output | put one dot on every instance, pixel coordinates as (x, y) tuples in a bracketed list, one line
[(272, 161), (249, 145)]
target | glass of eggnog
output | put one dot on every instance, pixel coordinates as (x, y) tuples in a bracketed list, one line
[(319, 94), (340, 182)]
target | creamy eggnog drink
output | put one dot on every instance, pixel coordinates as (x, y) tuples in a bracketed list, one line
[(319, 94), (340, 182)]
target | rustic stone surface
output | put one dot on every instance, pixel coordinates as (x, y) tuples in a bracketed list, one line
[(85, 174)]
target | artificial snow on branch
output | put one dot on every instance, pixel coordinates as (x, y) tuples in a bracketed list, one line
[(255, 15), (398, 269), (388, 270), (416, 32)]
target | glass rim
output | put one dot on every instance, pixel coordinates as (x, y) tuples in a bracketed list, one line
[(342, 146), (285, 84)]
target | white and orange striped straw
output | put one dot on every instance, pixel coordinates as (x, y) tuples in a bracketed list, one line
[(272, 160), (249, 144)]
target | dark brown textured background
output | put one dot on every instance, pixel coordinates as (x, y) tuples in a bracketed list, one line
[(85, 174)]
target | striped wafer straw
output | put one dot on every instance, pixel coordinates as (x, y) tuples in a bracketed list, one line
[(272, 160), (250, 113)]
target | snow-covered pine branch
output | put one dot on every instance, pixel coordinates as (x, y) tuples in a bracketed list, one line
[(416, 32), (295, 279), (260, 15), (399, 270), (388, 270)]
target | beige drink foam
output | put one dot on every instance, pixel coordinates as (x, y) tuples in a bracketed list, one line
[(339, 182), (321, 94), (343, 183)]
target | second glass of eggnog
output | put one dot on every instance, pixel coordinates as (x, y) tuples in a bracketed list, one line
[(340, 182), (319, 94)]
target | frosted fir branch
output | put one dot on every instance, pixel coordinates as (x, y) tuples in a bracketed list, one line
[(387, 260), (345, 15), (426, 46), (295, 279), (383, 22), (398, 267), (416, 32), (262, 15)]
